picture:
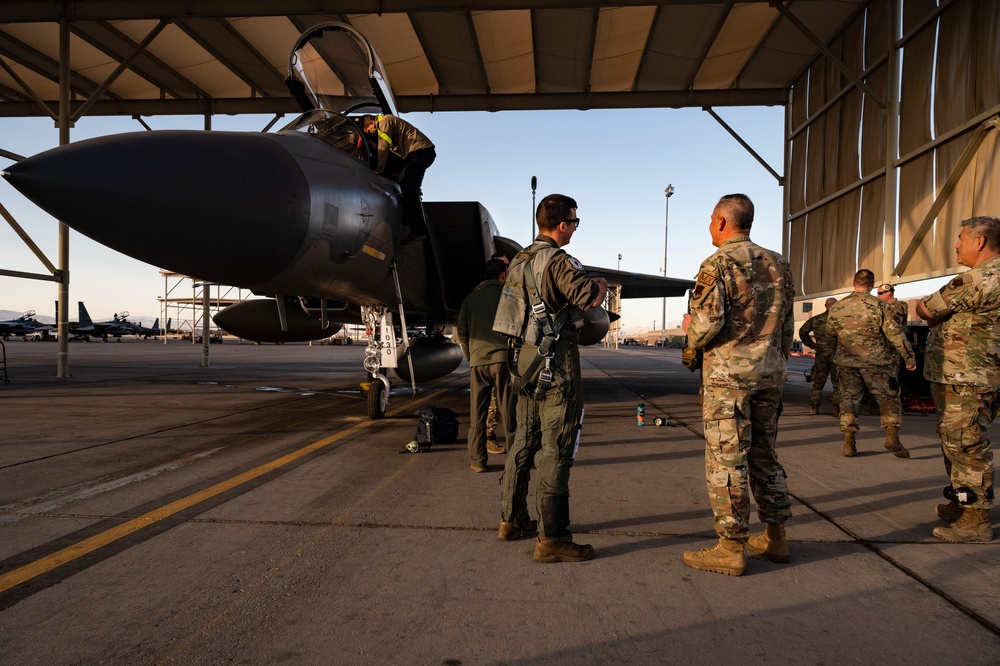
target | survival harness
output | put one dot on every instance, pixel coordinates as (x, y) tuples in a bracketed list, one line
[(530, 323)]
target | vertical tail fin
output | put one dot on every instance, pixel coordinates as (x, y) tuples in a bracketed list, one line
[(85, 319)]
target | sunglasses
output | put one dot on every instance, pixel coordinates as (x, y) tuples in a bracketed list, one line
[(575, 222)]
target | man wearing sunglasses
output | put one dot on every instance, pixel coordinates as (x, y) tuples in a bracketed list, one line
[(542, 304)]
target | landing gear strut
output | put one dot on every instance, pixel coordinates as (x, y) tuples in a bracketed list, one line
[(382, 351)]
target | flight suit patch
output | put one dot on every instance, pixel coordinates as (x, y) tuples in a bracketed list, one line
[(575, 263)]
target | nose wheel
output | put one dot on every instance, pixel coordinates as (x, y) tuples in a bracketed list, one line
[(378, 397)]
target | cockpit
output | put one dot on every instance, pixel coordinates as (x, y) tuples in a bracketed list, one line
[(335, 130), (335, 76)]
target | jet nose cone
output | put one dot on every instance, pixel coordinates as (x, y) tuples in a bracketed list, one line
[(207, 204)]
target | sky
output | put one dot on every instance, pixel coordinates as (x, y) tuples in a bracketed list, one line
[(615, 163)]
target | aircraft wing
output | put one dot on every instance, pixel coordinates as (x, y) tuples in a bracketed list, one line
[(641, 285)]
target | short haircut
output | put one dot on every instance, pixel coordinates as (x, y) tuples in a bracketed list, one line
[(494, 269), (368, 118), (864, 278), (552, 210), (986, 226), (739, 211), (830, 302)]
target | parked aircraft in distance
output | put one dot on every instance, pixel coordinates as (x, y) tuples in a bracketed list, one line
[(116, 327), (24, 325), (143, 332), (318, 230)]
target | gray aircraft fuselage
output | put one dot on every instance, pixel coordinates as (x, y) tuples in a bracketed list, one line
[(273, 213)]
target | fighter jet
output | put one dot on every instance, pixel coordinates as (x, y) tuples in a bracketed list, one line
[(147, 333), (116, 327), (24, 325), (298, 216)]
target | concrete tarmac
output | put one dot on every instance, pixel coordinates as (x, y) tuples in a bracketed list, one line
[(156, 512)]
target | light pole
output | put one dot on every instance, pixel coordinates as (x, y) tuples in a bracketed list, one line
[(619, 261), (534, 185), (666, 227)]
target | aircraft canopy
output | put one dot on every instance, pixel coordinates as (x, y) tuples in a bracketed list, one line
[(333, 67)]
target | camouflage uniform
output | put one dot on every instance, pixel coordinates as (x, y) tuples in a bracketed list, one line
[(813, 335), (492, 419), (548, 430), (899, 311), (963, 366), (742, 318), (866, 341)]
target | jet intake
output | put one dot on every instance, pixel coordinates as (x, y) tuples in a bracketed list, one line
[(433, 357), (259, 320)]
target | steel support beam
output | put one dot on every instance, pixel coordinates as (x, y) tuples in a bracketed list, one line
[(978, 136), (36, 11), (892, 147), (746, 146), (432, 103), (818, 43), (648, 99), (122, 66), (62, 306), (43, 107)]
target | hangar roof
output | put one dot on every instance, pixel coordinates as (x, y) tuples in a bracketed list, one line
[(231, 56)]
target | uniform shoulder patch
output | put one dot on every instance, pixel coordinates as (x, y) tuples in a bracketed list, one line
[(956, 282), (575, 263), (707, 279)]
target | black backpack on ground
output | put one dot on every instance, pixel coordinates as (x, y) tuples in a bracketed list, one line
[(438, 425)]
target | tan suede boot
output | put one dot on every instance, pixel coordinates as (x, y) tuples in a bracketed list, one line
[(512, 532), (850, 444), (973, 525), (893, 444), (551, 550), (771, 545), (725, 557)]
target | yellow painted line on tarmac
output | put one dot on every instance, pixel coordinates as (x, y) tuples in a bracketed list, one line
[(49, 562)]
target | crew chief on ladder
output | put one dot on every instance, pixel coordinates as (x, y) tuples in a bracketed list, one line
[(406, 141)]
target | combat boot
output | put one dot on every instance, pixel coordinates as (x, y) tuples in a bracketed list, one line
[(972, 525), (814, 409), (553, 550), (850, 444), (725, 557), (893, 444), (836, 410), (949, 512), (771, 545), (512, 531)]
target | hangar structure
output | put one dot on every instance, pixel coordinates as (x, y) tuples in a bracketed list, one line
[(891, 105)]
